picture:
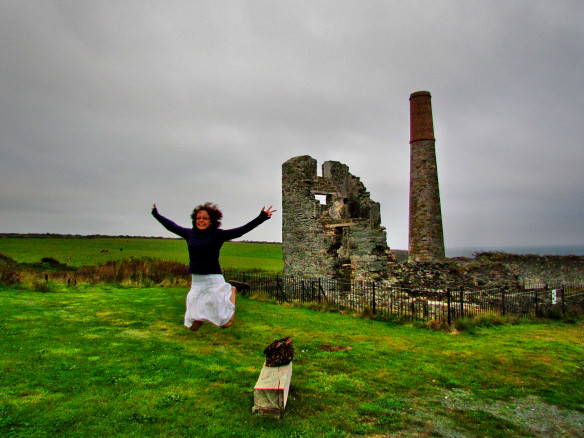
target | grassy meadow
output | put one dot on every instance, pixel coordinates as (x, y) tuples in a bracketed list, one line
[(110, 361), (84, 251), (117, 362)]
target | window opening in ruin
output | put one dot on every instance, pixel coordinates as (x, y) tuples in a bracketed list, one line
[(321, 199)]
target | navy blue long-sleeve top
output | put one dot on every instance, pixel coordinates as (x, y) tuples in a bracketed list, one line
[(204, 245)]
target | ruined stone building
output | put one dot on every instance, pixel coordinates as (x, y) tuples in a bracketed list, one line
[(340, 238)]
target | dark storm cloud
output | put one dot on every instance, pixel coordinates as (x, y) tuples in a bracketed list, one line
[(108, 107)]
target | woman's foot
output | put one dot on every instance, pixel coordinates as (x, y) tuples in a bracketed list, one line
[(196, 326), (228, 323)]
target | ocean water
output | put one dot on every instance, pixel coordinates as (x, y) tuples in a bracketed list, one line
[(537, 250)]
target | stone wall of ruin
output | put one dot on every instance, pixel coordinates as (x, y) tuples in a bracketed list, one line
[(341, 239)]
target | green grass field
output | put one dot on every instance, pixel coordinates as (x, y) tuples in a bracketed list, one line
[(93, 251), (108, 362)]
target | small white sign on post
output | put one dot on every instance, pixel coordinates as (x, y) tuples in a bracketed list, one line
[(554, 296)]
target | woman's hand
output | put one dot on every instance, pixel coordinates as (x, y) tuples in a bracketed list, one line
[(153, 206), (269, 211)]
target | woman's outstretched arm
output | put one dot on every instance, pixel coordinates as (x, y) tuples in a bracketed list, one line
[(234, 233), (168, 224)]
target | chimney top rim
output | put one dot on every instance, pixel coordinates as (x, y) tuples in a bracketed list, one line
[(420, 93)]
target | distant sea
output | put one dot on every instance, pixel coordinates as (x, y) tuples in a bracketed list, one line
[(537, 250)]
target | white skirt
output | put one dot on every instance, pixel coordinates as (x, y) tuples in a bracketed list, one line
[(209, 300)]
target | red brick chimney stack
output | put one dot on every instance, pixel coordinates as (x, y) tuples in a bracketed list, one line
[(421, 125), (426, 239)]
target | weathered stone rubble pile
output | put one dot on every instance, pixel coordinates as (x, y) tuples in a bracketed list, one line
[(453, 274)]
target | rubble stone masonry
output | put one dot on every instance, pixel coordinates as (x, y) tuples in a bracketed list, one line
[(340, 239)]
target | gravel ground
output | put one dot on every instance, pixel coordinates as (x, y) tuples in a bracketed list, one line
[(541, 419), (529, 417)]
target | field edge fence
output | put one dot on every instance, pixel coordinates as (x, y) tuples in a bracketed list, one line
[(380, 298), (417, 304)]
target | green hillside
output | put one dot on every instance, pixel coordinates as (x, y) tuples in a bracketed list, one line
[(89, 250)]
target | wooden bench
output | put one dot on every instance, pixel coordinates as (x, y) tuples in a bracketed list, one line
[(270, 393)]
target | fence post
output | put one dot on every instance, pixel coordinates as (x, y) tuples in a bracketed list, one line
[(374, 298), (563, 300), (462, 303), (281, 286), (448, 303), (312, 283), (412, 308), (503, 301), (537, 303)]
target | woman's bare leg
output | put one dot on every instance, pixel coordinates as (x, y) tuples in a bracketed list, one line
[(196, 325), (233, 293)]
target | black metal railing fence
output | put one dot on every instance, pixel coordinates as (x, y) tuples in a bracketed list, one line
[(417, 304)]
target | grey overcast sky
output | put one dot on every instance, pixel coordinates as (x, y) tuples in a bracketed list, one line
[(109, 106)]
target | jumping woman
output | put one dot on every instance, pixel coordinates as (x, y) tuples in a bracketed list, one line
[(210, 298)]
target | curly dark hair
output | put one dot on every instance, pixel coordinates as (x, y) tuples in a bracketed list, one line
[(214, 213)]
